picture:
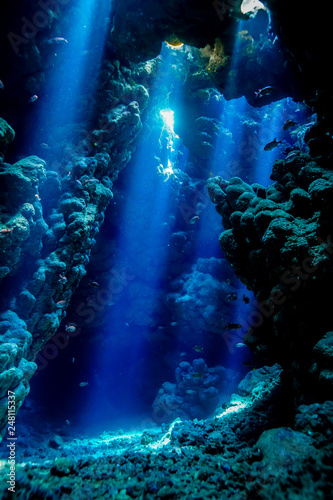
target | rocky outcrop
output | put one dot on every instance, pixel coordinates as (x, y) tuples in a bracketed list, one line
[(278, 241), (195, 394), (51, 213), (7, 135)]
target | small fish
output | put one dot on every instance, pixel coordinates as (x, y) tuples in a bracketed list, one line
[(43, 145), (92, 181), (61, 304), (233, 326), (62, 279), (38, 198), (2, 86), (197, 348), (291, 156), (288, 124), (93, 283), (197, 375), (231, 296), (57, 41), (83, 384), (126, 324), (73, 360), (194, 219), (6, 230), (182, 354), (271, 145), (33, 98), (210, 174), (228, 281), (246, 299), (67, 422), (264, 91), (70, 328), (239, 345)]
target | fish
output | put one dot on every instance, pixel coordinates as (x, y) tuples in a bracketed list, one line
[(61, 304), (73, 360), (292, 155), (33, 98), (70, 328), (67, 422), (93, 181), (2, 85), (83, 384), (62, 279), (6, 230), (264, 91), (38, 198), (288, 124), (197, 348), (271, 145), (246, 299), (239, 345), (194, 219), (228, 281), (197, 375), (231, 296), (233, 326), (93, 283), (58, 40), (43, 145), (182, 354)]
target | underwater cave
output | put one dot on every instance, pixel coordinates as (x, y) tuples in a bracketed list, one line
[(166, 203)]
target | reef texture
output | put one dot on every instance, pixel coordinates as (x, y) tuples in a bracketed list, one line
[(237, 454), (196, 393), (277, 238), (52, 209), (278, 241)]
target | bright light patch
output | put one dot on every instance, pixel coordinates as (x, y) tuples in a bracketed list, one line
[(168, 117), (251, 5), (234, 409), (178, 46), (166, 438), (174, 42), (167, 172)]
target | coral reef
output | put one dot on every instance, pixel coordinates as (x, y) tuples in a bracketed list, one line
[(275, 434), (203, 459), (196, 392), (278, 241), (52, 209)]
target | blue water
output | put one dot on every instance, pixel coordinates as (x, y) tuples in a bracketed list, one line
[(149, 249)]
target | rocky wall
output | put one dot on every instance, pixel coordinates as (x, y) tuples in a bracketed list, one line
[(52, 209), (278, 240)]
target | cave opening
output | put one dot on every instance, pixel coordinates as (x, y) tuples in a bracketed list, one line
[(158, 246), (165, 249)]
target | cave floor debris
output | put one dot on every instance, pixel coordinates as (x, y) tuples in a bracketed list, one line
[(237, 454)]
